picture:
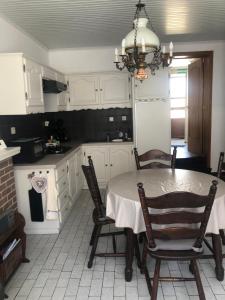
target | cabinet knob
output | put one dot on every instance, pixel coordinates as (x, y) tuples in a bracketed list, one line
[(106, 165), (96, 90), (101, 90), (111, 165)]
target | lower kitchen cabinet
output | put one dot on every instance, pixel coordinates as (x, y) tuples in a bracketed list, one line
[(65, 182), (109, 160), (75, 177)]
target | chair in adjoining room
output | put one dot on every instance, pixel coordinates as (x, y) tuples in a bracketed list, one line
[(99, 217), (153, 159), (175, 234), (220, 169)]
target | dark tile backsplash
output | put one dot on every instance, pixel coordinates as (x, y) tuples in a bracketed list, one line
[(85, 125)]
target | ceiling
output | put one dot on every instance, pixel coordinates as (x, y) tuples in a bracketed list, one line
[(90, 23)]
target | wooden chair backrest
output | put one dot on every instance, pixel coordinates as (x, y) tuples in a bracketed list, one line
[(180, 202), (155, 154), (89, 173), (221, 165)]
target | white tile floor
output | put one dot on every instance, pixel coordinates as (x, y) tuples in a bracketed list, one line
[(58, 268)]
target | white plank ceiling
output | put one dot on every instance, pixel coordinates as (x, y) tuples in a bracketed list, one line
[(87, 23)]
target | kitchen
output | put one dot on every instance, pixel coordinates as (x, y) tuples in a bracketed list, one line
[(85, 119)]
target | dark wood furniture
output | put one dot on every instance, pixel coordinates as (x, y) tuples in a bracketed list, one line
[(159, 240), (16, 231), (152, 156), (99, 217), (220, 170)]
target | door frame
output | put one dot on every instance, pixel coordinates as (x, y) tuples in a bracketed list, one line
[(207, 59)]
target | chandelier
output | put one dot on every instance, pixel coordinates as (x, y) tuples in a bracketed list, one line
[(139, 44)]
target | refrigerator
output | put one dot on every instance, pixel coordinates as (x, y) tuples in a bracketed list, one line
[(151, 113)]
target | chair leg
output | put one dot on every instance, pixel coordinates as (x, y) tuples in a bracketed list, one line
[(222, 235), (137, 251), (198, 280), (191, 267), (93, 235), (95, 243), (144, 269), (114, 243), (156, 280)]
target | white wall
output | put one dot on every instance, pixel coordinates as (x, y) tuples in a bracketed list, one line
[(101, 59), (14, 40)]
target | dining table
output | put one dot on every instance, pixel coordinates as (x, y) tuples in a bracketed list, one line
[(123, 205)]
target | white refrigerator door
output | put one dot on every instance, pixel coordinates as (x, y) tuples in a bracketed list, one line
[(152, 124)]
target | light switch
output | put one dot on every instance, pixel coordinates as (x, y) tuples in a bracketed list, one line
[(111, 119)]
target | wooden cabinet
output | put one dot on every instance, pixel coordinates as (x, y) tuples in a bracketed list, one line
[(110, 160), (154, 87), (99, 91), (83, 90), (21, 85)]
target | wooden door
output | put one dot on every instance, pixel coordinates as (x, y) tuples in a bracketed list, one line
[(195, 103)]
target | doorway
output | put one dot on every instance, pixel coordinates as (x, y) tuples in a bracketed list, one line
[(190, 98)]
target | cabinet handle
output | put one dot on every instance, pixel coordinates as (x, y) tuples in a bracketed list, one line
[(106, 165)]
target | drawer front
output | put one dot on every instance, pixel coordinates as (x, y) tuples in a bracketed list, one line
[(62, 184), (64, 212), (63, 198), (61, 171)]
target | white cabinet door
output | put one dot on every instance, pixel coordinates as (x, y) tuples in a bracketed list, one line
[(156, 86), (79, 172), (120, 160), (100, 157), (83, 90), (114, 88), (72, 177), (33, 82), (62, 99)]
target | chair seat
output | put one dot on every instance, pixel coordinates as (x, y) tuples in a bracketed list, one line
[(178, 245), (101, 220), (175, 255)]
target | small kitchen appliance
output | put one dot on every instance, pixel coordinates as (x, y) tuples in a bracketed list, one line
[(32, 149)]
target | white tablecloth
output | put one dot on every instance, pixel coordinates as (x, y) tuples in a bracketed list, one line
[(123, 204)]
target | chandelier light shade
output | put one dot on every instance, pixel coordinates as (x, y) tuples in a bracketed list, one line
[(141, 49)]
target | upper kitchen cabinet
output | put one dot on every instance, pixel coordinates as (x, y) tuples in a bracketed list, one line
[(21, 85), (154, 87), (103, 90), (83, 91)]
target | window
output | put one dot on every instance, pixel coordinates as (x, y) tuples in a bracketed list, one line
[(178, 93)]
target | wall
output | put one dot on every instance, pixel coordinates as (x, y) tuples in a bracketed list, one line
[(7, 186), (13, 39), (101, 59), (84, 125)]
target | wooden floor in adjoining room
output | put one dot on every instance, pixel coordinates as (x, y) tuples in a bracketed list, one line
[(58, 268)]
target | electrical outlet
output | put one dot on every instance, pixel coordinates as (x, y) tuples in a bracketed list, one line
[(111, 119), (46, 123), (124, 118), (13, 130)]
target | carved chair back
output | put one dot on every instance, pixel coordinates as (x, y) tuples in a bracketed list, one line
[(221, 165), (178, 205), (90, 175), (155, 154)]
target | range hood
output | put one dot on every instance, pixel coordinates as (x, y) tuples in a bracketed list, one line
[(53, 86)]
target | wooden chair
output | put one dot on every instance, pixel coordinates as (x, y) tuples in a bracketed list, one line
[(99, 217), (175, 242), (155, 154), (220, 169)]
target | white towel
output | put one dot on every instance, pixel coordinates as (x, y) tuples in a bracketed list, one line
[(51, 199)]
